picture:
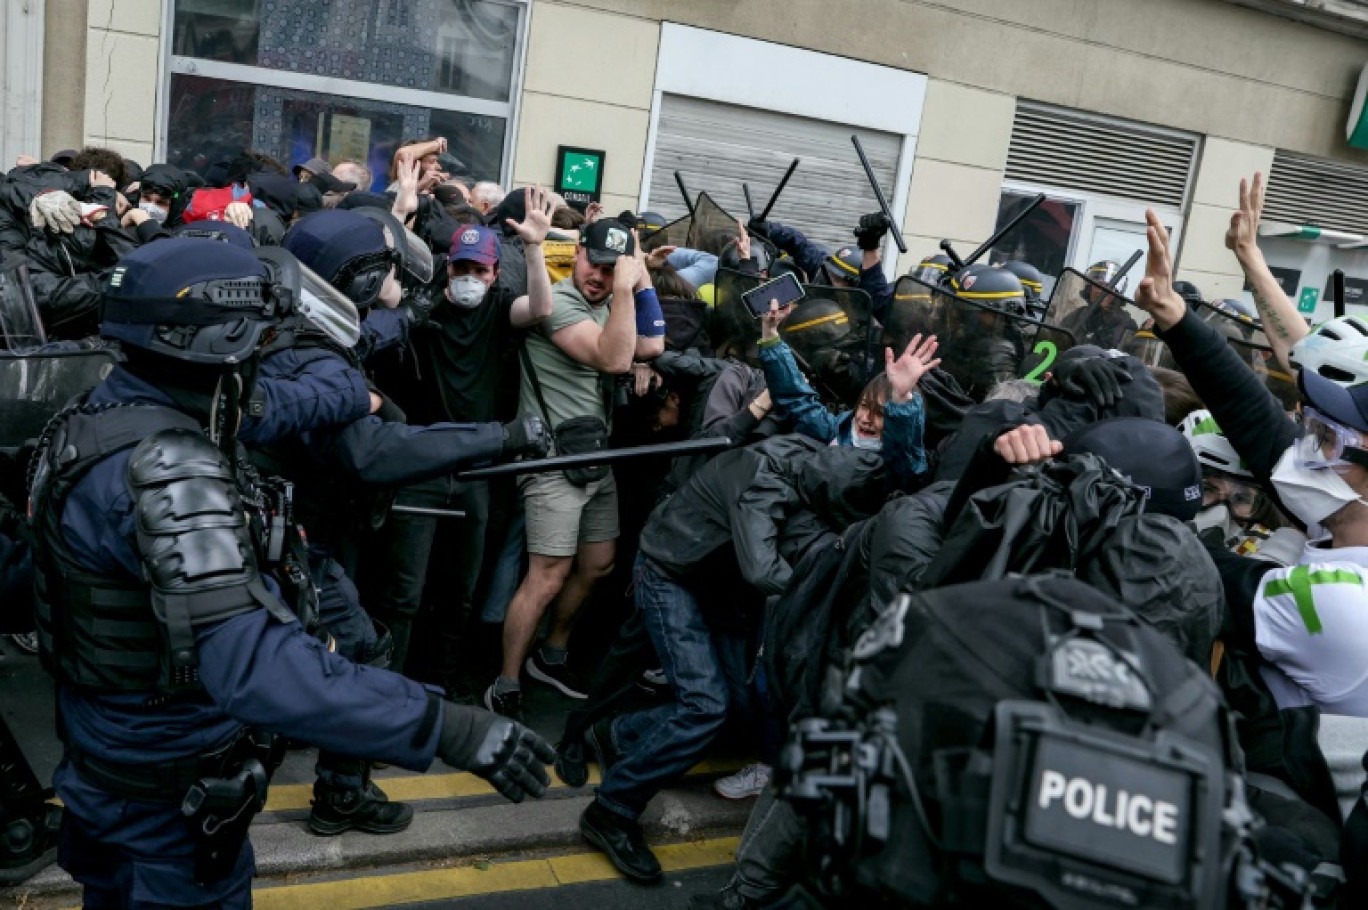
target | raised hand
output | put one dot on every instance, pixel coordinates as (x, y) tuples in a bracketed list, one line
[(1243, 235), (537, 222), (1156, 295), (906, 371), (658, 256), (407, 175), (743, 241), (769, 323)]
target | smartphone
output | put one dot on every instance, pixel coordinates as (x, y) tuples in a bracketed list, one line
[(785, 289)]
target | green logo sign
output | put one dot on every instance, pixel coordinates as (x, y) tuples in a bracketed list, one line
[(580, 172), (1307, 302)]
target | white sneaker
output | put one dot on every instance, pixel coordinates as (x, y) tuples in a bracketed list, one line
[(747, 782)]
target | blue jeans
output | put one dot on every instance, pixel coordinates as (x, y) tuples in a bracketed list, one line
[(657, 746)]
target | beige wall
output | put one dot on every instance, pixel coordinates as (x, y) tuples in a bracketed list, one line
[(64, 33), (122, 52), (1202, 65), (1204, 260), (574, 95)]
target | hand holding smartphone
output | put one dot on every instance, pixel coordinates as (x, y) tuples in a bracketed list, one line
[(785, 290)]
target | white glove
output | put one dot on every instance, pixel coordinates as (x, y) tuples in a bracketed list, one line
[(238, 213), (55, 211)]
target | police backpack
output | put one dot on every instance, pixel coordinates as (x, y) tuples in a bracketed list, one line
[(1025, 742)]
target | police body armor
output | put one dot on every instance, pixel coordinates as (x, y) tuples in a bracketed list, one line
[(206, 529), (330, 505)]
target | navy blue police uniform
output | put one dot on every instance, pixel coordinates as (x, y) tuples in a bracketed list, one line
[(173, 647)]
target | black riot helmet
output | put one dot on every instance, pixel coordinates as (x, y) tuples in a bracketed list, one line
[(1033, 283), (192, 299), (355, 250), (816, 323), (993, 287), (844, 266), (1104, 272), (731, 257), (932, 270)]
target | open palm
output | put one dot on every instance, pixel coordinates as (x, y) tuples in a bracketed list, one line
[(906, 371)]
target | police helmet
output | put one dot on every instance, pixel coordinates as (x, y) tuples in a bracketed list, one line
[(1106, 272), (815, 324), (991, 286), (1032, 282), (731, 257), (785, 265), (1191, 294), (347, 249), (222, 231), (191, 299), (845, 264), (932, 269)]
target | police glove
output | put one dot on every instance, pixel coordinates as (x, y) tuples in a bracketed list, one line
[(56, 211), (526, 436), (1096, 379), (502, 751), (756, 226), (870, 234)]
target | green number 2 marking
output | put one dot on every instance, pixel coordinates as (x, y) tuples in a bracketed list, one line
[(1051, 352)]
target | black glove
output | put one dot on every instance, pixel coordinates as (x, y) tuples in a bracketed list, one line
[(756, 226), (1096, 379), (526, 436), (502, 751), (418, 307), (870, 234)]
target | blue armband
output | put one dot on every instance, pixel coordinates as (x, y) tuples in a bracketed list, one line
[(650, 317)]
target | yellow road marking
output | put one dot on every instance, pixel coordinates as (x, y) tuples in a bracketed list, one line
[(468, 881), (445, 786)]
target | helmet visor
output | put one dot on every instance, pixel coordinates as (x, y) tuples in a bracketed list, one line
[(328, 309)]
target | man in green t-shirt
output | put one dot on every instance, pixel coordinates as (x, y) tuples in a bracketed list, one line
[(572, 530)]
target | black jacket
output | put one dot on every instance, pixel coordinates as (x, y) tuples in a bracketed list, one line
[(745, 508)]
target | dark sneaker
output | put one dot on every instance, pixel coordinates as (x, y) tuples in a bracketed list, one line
[(599, 739), (570, 764), (27, 642), (508, 704), (367, 809), (558, 676), (621, 841)]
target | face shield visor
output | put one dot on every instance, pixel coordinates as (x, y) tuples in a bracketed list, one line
[(304, 292), (20, 324), (1326, 443), (415, 266)]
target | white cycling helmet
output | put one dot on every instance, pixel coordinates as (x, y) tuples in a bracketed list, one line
[(1213, 450), (1336, 350)]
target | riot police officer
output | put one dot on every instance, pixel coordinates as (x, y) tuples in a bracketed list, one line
[(338, 473), (1104, 321), (163, 621)]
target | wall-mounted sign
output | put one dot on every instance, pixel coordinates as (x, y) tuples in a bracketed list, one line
[(1355, 290), (579, 174), (1307, 301)]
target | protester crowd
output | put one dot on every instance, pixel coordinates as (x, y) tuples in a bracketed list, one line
[(928, 493)]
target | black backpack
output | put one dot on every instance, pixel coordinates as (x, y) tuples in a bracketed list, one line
[(1025, 742)]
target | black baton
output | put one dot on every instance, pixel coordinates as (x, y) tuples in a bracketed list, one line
[(878, 194), (607, 456)]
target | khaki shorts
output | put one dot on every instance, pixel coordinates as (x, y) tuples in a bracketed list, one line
[(561, 516)]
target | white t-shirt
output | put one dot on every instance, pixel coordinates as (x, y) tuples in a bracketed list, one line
[(1311, 623)]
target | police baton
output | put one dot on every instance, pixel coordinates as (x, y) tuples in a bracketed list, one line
[(764, 216), (424, 510), (750, 207), (593, 459), (1338, 281), (878, 194), (1125, 269), (683, 191)]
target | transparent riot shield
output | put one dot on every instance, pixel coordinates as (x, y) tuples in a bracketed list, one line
[(676, 233), (20, 325), (1093, 313), (709, 225), (1151, 351), (735, 331), (34, 386), (979, 346)]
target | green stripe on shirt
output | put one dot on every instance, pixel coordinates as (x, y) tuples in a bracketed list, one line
[(1299, 582)]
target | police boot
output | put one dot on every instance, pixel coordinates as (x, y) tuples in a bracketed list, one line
[(346, 799)]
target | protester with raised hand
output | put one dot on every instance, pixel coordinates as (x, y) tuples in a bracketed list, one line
[(1282, 323)]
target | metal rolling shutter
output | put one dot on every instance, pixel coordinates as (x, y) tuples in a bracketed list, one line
[(716, 146), (1314, 191), (1072, 151)]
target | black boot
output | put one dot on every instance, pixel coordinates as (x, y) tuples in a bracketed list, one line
[(339, 807), (621, 841)]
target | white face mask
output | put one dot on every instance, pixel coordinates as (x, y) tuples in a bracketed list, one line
[(868, 443), (156, 212), (1312, 495), (466, 291)]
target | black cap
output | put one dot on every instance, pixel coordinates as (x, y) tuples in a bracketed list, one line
[(64, 157), (327, 183), (605, 240), (1153, 455)]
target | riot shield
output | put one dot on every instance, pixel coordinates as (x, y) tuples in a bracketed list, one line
[(20, 325), (1093, 313), (830, 331), (676, 233), (708, 225), (34, 386), (979, 346)]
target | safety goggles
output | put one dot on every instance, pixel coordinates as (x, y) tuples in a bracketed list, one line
[(1325, 443), (1240, 498)]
